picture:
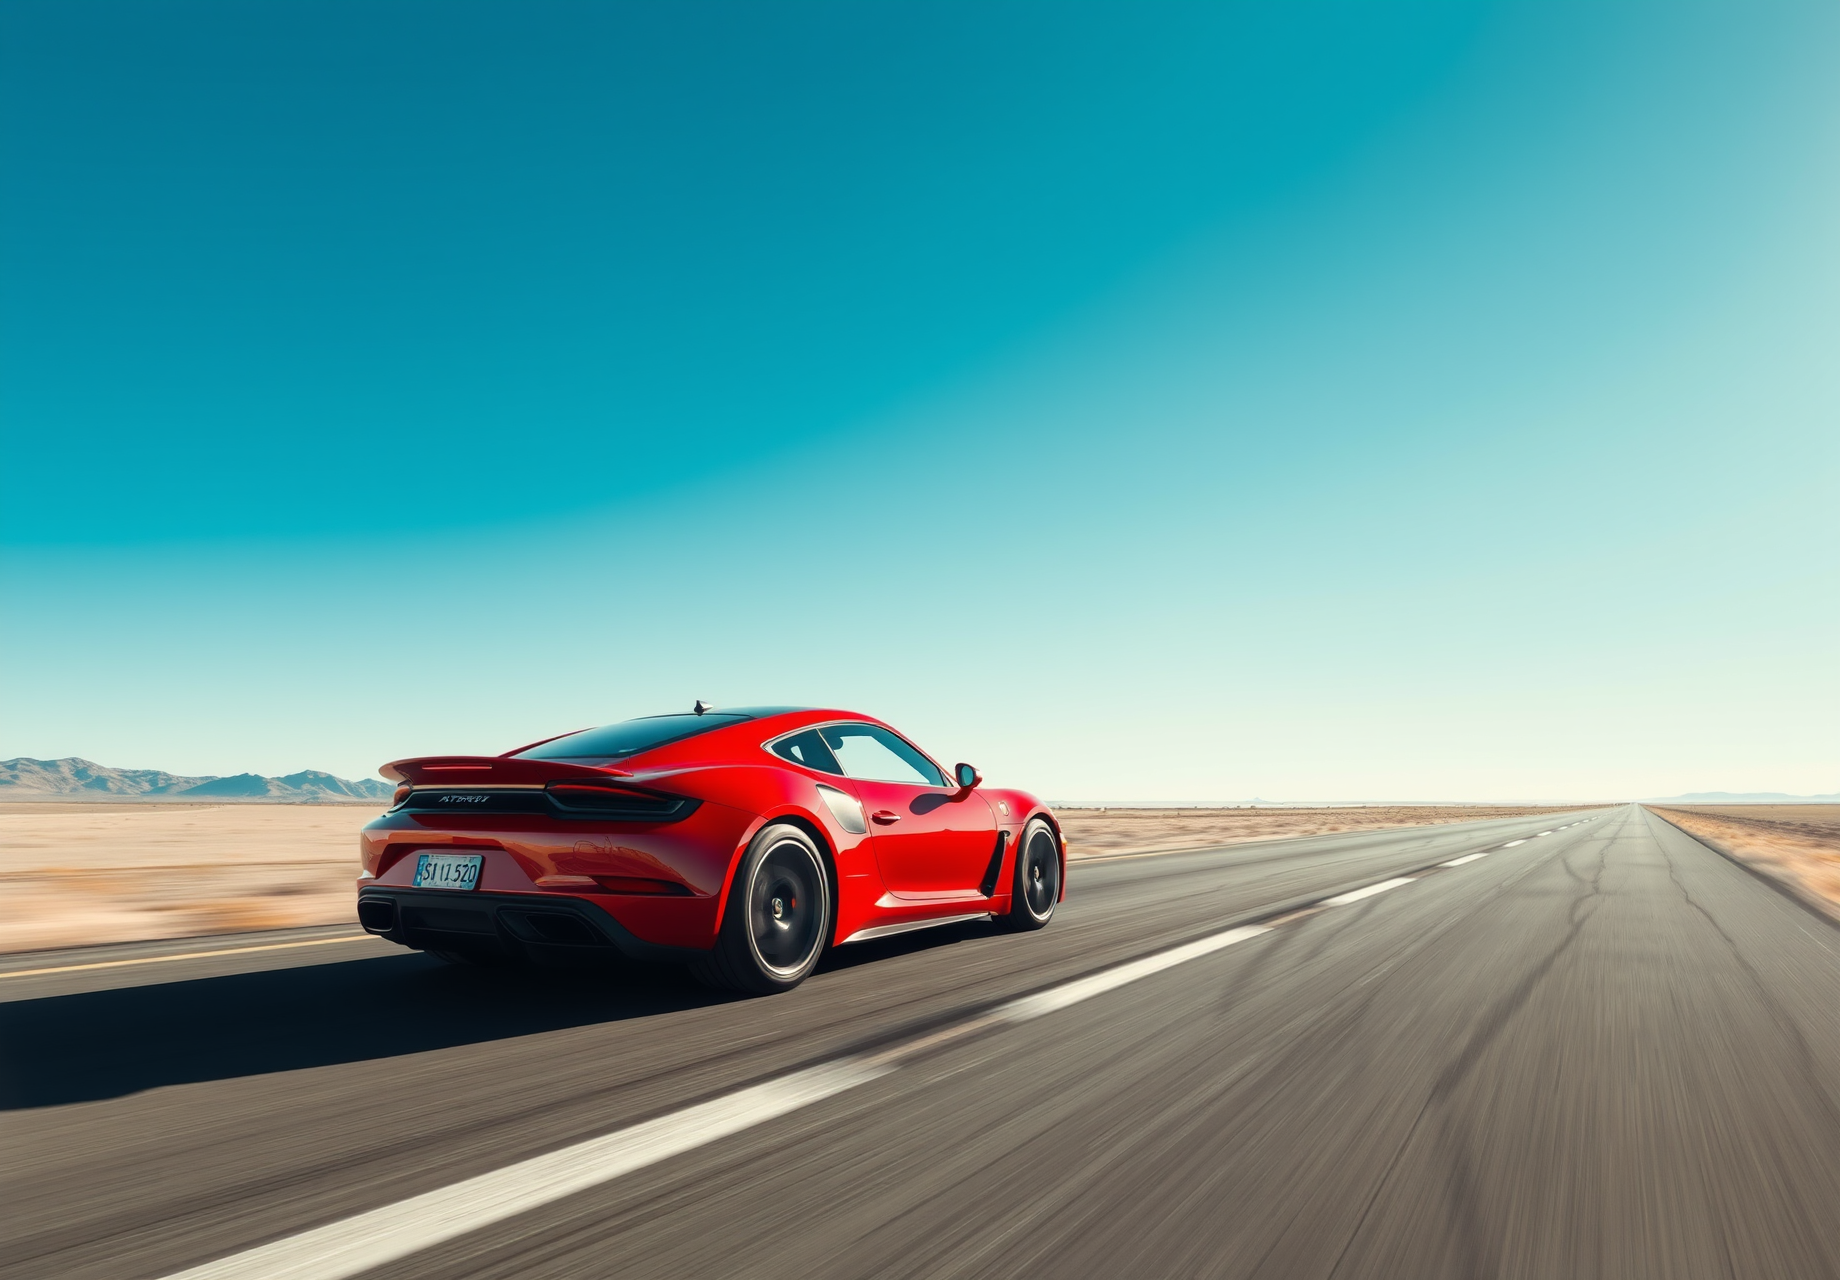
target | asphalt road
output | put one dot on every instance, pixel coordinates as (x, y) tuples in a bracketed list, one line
[(1605, 1051)]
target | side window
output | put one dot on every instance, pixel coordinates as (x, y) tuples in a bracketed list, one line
[(876, 755), (808, 749)]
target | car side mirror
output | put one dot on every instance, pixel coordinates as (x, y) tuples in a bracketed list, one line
[(967, 777)]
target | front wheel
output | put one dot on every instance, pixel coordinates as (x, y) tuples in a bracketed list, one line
[(1038, 877), (778, 916)]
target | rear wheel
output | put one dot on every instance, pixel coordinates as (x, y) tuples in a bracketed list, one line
[(1038, 877), (778, 916)]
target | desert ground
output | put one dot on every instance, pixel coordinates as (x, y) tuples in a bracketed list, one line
[(1797, 845), (112, 872), (77, 873)]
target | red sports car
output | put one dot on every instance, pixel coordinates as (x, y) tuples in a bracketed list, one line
[(741, 841)]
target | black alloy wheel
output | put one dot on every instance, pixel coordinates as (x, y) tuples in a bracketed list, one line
[(778, 917), (1038, 877), (785, 908)]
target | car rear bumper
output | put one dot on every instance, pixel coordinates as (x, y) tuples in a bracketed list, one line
[(552, 928)]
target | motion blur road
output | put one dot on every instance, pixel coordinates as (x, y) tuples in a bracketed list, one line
[(1600, 1051)]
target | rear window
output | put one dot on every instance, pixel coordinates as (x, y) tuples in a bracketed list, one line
[(629, 737), (808, 749)]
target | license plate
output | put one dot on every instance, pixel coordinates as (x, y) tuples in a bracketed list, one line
[(447, 870)]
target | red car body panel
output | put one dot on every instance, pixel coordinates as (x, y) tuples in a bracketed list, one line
[(928, 852)]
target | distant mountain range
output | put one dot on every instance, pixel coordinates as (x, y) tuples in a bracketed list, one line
[(1746, 797), (75, 779)]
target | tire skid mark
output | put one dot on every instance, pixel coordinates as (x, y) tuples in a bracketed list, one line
[(1493, 1022), (1481, 1252)]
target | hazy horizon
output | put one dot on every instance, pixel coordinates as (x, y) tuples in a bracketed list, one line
[(1707, 796)]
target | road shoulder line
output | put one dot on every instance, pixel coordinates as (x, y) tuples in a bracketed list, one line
[(180, 955)]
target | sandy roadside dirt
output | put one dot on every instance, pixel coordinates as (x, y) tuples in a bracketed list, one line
[(1796, 844), (73, 874)]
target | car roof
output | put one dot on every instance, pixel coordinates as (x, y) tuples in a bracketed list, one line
[(730, 728)]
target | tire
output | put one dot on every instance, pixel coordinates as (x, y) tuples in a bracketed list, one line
[(1037, 884), (778, 917)]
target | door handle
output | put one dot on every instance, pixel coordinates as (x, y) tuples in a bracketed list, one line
[(887, 817)]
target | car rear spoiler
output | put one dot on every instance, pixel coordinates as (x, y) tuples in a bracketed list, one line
[(495, 771)]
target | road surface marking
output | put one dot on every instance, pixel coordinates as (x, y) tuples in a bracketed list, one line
[(1079, 989), (1343, 899), (375, 1238), (383, 1235), (1512, 843), (185, 955), (1543, 833), (1468, 857)]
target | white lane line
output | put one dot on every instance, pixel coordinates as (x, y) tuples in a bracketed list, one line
[(1086, 988), (397, 1230), (184, 955), (1343, 899), (1512, 843), (1468, 857), (1543, 833), (383, 1235)]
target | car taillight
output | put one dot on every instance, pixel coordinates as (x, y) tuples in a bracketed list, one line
[(617, 804)]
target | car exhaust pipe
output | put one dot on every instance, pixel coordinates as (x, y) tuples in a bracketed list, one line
[(377, 915)]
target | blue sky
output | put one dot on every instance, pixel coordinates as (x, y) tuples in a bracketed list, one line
[(1302, 400)]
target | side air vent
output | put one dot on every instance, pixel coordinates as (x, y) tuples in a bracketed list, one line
[(989, 886)]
